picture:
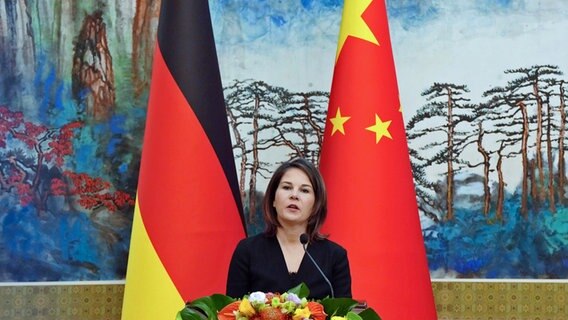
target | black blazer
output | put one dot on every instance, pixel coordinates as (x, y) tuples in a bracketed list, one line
[(258, 265)]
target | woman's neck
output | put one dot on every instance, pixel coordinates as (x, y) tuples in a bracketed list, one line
[(290, 235), (292, 249)]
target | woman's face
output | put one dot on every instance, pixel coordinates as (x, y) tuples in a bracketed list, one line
[(294, 198)]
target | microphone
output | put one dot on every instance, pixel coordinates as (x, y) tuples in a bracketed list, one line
[(304, 239)]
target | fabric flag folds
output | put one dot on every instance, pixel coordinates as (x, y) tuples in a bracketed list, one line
[(188, 216), (366, 167)]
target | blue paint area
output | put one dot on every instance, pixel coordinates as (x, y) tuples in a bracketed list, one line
[(86, 160), (55, 106), (489, 6), (502, 3), (116, 124), (111, 146), (60, 97), (75, 232), (307, 4), (269, 20), (116, 129), (252, 15), (310, 4), (44, 84), (278, 20), (55, 247), (332, 3), (411, 14), (19, 233), (475, 246), (123, 168)]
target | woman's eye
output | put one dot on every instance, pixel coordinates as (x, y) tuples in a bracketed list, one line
[(306, 190)]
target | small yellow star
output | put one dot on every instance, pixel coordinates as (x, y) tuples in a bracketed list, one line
[(352, 24), (338, 121), (380, 129), (400, 108)]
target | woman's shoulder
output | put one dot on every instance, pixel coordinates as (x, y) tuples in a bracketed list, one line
[(329, 245), (257, 240)]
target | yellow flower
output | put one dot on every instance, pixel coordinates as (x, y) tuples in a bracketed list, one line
[(245, 308), (301, 313), (337, 318)]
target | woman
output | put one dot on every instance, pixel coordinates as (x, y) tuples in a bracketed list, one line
[(295, 203)]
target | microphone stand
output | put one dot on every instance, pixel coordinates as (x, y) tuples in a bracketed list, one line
[(304, 240)]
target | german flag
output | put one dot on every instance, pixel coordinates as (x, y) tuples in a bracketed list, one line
[(188, 215)]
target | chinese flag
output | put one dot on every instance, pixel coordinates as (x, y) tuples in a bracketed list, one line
[(188, 217), (366, 167)]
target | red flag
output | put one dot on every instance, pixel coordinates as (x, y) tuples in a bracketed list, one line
[(366, 167), (188, 215)]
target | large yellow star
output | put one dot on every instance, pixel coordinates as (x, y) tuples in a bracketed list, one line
[(352, 24), (338, 121), (380, 129)]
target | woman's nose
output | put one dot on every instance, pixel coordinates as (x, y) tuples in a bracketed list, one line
[(294, 194)]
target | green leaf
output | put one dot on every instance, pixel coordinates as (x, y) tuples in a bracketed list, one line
[(352, 316), (206, 307), (369, 314), (189, 313), (300, 290), (338, 306), (220, 301)]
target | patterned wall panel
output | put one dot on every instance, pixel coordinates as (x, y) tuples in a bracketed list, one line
[(61, 302), (454, 300), (501, 300)]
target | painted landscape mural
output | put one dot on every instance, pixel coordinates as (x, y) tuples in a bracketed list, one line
[(483, 92)]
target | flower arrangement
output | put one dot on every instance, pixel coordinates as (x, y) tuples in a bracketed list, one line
[(271, 306), (291, 305)]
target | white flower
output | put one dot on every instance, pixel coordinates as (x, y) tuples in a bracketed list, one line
[(257, 297)]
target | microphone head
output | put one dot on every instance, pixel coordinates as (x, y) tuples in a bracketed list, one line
[(304, 238)]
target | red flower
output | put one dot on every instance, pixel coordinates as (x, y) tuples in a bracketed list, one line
[(316, 310), (228, 312)]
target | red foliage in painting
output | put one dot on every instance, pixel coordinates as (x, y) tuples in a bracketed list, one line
[(49, 143), (94, 193), (47, 148), (15, 176), (8, 121), (122, 199), (32, 135), (61, 144), (25, 192), (84, 183), (58, 187)]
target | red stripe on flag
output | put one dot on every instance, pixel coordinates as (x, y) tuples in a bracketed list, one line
[(185, 199)]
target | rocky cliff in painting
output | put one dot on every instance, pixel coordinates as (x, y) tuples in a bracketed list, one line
[(92, 73)]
